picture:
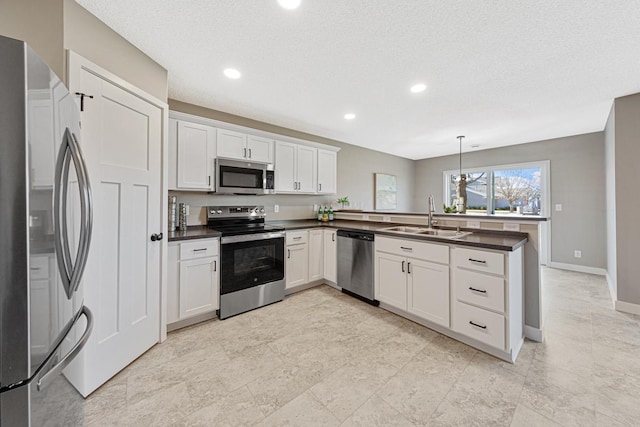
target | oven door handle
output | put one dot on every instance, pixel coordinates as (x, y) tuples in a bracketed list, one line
[(251, 237)]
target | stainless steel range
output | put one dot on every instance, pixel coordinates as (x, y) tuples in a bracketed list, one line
[(252, 258)]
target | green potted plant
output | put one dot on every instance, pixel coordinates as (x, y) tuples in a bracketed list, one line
[(344, 201)]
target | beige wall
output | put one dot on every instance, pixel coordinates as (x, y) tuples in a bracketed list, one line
[(39, 23), (51, 26), (577, 182), (91, 38), (356, 166), (627, 177)]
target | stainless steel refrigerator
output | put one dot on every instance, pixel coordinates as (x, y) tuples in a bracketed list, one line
[(45, 232)]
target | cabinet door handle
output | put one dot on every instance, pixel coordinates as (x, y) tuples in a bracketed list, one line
[(156, 237), (479, 261), (477, 325), (404, 248), (245, 153), (482, 291), (333, 237), (409, 267), (403, 266), (288, 253), (215, 265), (249, 152), (319, 187)]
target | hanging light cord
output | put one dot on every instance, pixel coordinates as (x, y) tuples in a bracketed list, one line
[(460, 139)]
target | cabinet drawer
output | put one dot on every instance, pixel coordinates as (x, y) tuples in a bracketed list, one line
[(295, 237), (199, 249), (487, 262), (480, 324), (480, 289), (39, 267), (415, 249)]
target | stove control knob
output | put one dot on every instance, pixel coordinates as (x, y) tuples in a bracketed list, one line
[(262, 210), (218, 211)]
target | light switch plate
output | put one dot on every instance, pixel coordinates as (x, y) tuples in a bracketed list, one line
[(473, 224), (558, 207), (511, 227), (276, 208)]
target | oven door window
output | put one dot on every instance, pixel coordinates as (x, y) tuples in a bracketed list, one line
[(235, 177), (249, 264)]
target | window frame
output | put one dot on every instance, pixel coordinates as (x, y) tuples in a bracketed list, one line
[(545, 179)]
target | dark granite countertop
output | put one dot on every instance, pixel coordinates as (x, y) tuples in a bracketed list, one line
[(510, 217), (193, 232), (488, 239)]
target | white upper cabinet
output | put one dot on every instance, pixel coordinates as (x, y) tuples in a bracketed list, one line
[(192, 149), (240, 146), (327, 171), (259, 149), (295, 167)]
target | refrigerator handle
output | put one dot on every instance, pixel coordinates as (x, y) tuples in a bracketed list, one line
[(86, 212), (55, 371), (61, 242)]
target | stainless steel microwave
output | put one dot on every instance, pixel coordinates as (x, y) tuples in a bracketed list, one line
[(240, 177)]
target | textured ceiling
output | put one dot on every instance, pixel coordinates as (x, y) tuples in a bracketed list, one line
[(500, 73)]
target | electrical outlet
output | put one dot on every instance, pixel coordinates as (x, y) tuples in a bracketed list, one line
[(558, 207), (315, 208), (577, 254), (386, 218), (473, 224), (276, 208), (365, 217), (511, 227)]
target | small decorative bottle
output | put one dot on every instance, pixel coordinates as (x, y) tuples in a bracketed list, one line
[(319, 213), (330, 213), (325, 214)]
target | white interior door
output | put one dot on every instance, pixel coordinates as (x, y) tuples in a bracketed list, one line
[(121, 139)]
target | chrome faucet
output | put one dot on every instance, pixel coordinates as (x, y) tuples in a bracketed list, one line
[(432, 209)]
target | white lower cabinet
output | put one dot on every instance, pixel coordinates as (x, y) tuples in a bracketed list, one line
[(192, 279), (428, 291), (480, 296), (331, 255), (487, 297), (297, 258), (316, 254), (418, 286)]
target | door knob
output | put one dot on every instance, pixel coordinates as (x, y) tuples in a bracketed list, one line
[(156, 237)]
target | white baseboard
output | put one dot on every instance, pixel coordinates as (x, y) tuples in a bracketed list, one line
[(628, 307), (534, 334), (612, 287), (578, 268)]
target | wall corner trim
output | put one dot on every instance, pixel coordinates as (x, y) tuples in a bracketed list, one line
[(577, 268), (627, 307), (534, 334), (612, 288)]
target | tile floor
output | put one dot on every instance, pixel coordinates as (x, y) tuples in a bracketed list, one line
[(323, 358)]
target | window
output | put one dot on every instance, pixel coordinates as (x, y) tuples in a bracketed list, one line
[(502, 190)]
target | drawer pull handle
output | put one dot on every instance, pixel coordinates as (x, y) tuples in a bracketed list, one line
[(297, 238), (405, 248), (479, 261), (35, 268), (199, 250), (482, 291), (478, 326)]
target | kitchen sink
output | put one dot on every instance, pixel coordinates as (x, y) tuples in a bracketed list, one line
[(448, 234)]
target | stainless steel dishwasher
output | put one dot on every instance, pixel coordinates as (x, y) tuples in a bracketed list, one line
[(355, 264)]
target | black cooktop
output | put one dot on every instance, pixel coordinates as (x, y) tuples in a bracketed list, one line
[(236, 230)]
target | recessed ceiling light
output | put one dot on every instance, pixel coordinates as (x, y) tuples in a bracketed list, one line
[(289, 4), (417, 88), (349, 116), (232, 73)]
